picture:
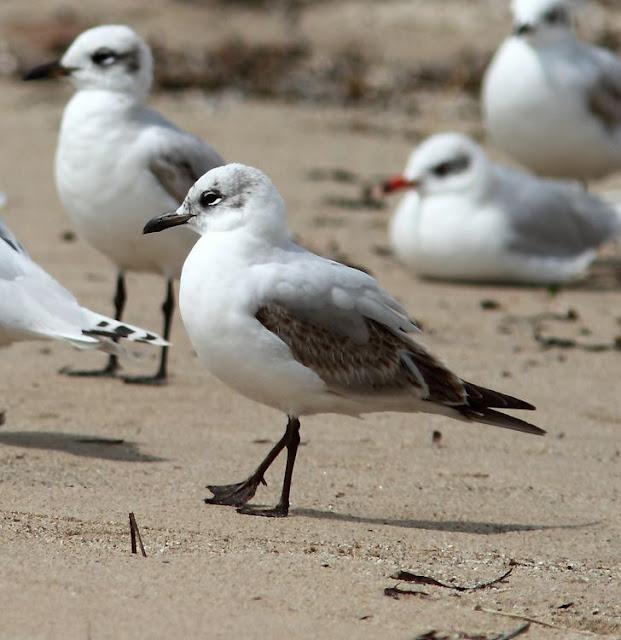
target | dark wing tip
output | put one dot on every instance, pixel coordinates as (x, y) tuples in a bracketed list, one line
[(481, 397), (498, 419)]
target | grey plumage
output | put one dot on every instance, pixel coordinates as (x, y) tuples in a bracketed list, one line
[(555, 218)]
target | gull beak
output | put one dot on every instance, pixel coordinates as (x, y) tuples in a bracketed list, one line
[(48, 70), (159, 223), (523, 29), (398, 183)]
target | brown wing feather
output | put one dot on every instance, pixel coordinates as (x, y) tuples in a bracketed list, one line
[(605, 103), (385, 363)]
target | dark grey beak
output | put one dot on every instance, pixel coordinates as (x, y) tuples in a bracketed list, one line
[(523, 29), (166, 221), (48, 70)]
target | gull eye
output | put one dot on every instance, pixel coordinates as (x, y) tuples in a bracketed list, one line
[(457, 165), (104, 57), (442, 170), (210, 198), (557, 15)]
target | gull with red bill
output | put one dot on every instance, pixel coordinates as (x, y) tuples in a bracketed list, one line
[(465, 218)]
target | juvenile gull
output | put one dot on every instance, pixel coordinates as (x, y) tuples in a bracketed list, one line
[(298, 332), (34, 306), (466, 218), (551, 101), (117, 161)]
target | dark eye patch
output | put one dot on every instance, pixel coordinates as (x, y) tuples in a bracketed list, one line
[(450, 167), (556, 15), (104, 57), (210, 198)]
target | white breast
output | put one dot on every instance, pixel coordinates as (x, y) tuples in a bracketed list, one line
[(218, 306), (448, 238), (535, 109), (106, 188)]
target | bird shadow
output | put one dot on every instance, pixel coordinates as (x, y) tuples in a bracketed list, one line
[(451, 526), (78, 445)]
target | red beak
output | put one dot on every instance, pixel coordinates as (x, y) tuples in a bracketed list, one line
[(397, 183)]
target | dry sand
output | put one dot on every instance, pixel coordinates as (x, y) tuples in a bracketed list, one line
[(370, 497)]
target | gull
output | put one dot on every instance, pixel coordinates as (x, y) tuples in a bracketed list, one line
[(117, 161), (34, 306), (552, 102), (469, 219), (298, 332)]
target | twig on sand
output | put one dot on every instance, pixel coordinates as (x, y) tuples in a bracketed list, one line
[(407, 576), (541, 623), (134, 533)]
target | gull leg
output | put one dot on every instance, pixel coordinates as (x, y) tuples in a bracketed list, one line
[(237, 495), (109, 371), (168, 307), (281, 510)]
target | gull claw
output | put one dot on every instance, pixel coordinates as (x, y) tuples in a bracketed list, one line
[(234, 495)]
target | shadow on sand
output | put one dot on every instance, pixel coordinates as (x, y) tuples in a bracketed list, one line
[(78, 444), (453, 526)]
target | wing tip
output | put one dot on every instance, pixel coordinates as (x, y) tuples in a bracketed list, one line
[(485, 415)]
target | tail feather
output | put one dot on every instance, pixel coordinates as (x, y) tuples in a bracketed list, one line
[(107, 328), (481, 405), (498, 419)]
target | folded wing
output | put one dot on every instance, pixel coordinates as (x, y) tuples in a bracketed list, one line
[(355, 337)]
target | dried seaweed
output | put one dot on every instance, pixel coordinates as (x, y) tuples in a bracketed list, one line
[(537, 322), (508, 635), (396, 592), (407, 576), (517, 616)]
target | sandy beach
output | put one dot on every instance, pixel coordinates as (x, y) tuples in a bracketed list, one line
[(370, 497)]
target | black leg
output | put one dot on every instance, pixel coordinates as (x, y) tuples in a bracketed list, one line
[(281, 510), (239, 494), (109, 371), (168, 307)]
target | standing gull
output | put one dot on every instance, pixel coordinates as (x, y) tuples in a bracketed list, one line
[(466, 218), (117, 161), (551, 101), (298, 332), (33, 306)]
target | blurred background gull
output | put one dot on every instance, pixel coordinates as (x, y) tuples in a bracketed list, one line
[(325, 96)]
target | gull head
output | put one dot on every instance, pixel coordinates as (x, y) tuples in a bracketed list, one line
[(446, 163), (542, 20), (229, 198), (109, 58)]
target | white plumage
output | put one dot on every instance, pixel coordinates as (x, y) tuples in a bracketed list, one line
[(551, 101), (298, 332), (118, 162), (467, 218), (34, 306)]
